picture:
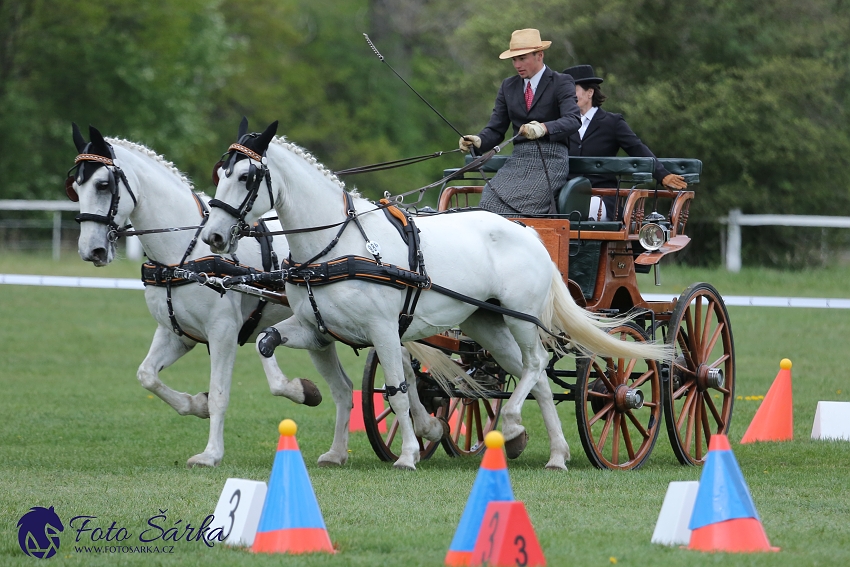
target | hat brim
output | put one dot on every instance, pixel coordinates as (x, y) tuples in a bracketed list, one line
[(517, 52), (587, 80)]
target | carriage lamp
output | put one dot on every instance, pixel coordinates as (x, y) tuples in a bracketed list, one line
[(654, 232)]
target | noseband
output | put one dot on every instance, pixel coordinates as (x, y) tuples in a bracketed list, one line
[(256, 175), (111, 165)]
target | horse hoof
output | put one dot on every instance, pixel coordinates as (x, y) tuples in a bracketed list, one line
[(555, 467), (312, 395), (329, 464), (330, 460), (514, 447), (447, 429), (399, 467), (202, 461)]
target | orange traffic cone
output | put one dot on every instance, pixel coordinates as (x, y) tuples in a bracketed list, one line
[(291, 521), (774, 420), (724, 516), (356, 423), (491, 483), (507, 538)]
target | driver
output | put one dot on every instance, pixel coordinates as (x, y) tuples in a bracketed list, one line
[(541, 106)]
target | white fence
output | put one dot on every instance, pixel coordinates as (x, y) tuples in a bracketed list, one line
[(736, 220), (134, 247)]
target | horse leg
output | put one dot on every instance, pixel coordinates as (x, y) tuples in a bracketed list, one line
[(424, 424), (293, 335), (390, 355), (166, 348), (559, 450), (222, 359), (327, 363)]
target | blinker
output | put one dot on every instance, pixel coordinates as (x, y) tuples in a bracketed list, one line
[(69, 189)]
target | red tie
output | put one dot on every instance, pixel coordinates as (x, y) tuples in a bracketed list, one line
[(529, 96)]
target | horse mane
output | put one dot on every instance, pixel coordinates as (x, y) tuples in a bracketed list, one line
[(127, 144), (311, 159)]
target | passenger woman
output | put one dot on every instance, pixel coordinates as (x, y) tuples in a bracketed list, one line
[(602, 134)]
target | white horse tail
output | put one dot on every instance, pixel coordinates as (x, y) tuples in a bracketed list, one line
[(443, 369), (586, 330)]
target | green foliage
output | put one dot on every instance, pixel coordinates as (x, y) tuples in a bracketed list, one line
[(757, 91)]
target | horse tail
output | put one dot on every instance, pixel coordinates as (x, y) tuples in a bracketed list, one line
[(445, 371), (587, 331)]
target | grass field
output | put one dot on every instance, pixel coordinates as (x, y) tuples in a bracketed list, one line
[(80, 434)]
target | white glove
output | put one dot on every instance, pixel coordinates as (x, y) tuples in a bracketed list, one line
[(533, 130), (466, 143)]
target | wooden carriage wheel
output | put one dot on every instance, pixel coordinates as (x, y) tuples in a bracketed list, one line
[(618, 406), (699, 391), (469, 419), (387, 444)]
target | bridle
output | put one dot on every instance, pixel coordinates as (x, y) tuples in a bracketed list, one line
[(256, 175), (76, 173)]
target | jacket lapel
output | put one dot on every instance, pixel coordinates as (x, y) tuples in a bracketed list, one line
[(594, 123), (545, 81)]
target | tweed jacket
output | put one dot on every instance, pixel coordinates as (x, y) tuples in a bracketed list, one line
[(554, 105), (605, 135)]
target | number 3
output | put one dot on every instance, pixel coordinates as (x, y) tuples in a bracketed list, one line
[(238, 495)]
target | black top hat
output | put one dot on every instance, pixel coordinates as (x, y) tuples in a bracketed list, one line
[(583, 74)]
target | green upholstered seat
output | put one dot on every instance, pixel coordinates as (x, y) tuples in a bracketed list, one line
[(690, 169), (574, 196)]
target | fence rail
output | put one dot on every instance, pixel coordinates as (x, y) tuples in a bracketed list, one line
[(134, 247), (736, 220)]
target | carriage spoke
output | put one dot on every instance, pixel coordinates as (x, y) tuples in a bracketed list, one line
[(716, 335), (685, 345), (615, 443), (706, 426), (383, 415), (467, 445), (601, 375), (627, 438), (638, 425), (709, 310), (605, 409), (697, 320), (685, 408), (393, 429), (488, 409), (642, 379), (689, 428), (717, 418), (698, 413), (479, 429), (604, 435), (689, 385)]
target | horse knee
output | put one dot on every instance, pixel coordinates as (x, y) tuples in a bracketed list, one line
[(147, 378), (269, 340)]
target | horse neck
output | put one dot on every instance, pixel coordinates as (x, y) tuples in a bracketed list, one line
[(306, 197), (164, 200)]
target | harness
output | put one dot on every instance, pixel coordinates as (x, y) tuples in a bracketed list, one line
[(78, 173), (202, 269)]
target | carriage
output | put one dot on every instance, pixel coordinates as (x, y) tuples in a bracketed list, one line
[(619, 403)]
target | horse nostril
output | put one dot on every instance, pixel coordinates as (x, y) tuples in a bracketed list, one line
[(99, 255)]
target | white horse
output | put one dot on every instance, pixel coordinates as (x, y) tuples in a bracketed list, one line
[(155, 195), (478, 254)]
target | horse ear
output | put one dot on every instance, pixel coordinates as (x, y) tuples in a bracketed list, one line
[(243, 128), (99, 145), (263, 141), (79, 141)]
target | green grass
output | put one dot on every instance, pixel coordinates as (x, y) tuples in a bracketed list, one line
[(79, 433)]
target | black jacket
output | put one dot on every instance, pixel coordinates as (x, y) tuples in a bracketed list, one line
[(554, 105), (605, 135)]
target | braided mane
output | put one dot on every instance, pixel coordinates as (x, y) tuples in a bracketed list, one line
[(311, 159), (153, 155)]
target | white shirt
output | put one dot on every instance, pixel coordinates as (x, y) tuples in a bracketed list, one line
[(585, 121), (535, 80)]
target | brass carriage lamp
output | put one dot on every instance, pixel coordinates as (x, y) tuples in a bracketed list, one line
[(653, 235)]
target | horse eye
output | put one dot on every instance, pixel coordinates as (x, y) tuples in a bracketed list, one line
[(102, 185), (243, 178)]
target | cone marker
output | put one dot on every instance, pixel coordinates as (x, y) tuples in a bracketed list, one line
[(774, 420)]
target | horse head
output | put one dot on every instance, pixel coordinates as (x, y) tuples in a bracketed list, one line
[(95, 181), (240, 198)]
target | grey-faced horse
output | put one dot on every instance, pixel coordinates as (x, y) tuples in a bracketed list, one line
[(116, 181)]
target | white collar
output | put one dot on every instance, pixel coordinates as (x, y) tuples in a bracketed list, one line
[(589, 114), (535, 80)]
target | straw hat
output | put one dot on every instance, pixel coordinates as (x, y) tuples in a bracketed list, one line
[(525, 41)]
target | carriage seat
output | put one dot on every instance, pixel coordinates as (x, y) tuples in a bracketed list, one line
[(690, 169)]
